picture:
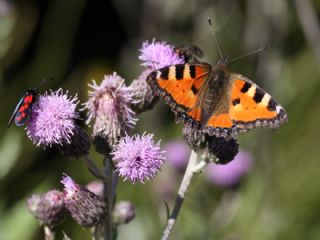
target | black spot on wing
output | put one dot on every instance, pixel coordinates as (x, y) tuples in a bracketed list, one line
[(258, 95), (245, 87), (192, 69), (164, 73), (236, 101), (194, 90), (272, 105), (179, 71)]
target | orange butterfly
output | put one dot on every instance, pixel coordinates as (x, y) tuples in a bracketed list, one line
[(212, 100)]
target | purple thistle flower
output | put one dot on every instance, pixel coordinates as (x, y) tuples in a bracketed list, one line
[(177, 153), (230, 174), (48, 208), (138, 158), (85, 207), (109, 105), (158, 54), (52, 119)]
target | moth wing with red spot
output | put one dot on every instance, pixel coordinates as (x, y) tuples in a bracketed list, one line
[(23, 115), (179, 86), (23, 110), (14, 114)]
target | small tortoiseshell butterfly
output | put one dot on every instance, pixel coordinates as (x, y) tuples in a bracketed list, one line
[(23, 110), (217, 102)]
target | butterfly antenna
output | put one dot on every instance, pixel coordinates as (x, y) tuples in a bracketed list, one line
[(250, 53), (214, 37)]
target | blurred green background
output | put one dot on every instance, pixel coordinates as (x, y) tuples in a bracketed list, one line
[(76, 41)]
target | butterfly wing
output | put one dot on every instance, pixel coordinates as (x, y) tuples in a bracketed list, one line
[(14, 114), (22, 115), (242, 106), (23, 109), (251, 107), (179, 86)]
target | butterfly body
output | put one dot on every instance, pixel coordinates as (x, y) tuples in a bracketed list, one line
[(23, 109), (215, 101)]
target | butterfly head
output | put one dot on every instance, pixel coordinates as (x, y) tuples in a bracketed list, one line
[(33, 91), (223, 62)]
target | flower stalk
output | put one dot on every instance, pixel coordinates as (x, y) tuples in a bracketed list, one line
[(49, 234), (194, 166), (108, 196)]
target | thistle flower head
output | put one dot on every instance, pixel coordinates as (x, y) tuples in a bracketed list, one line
[(224, 150), (84, 206), (142, 93), (216, 149), (109, 105), (53, 119), (158, 54), (79, 146), (230, 174), (96, 187), (138, 158), (48, 208)]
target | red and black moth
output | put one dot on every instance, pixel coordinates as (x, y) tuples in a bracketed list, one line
[(23, 110)]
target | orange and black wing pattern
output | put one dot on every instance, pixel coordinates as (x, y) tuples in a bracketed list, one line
[(179, 86), (242, 105), (252, 107), (249, 107)]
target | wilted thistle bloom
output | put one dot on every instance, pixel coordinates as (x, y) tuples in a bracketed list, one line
[(142, 93), (224, 150), (138, 158), (85, 207), (212, 148), (124, 212), (79, 146), (230, 174), (48, 208), (158, 54), (109, 107)]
